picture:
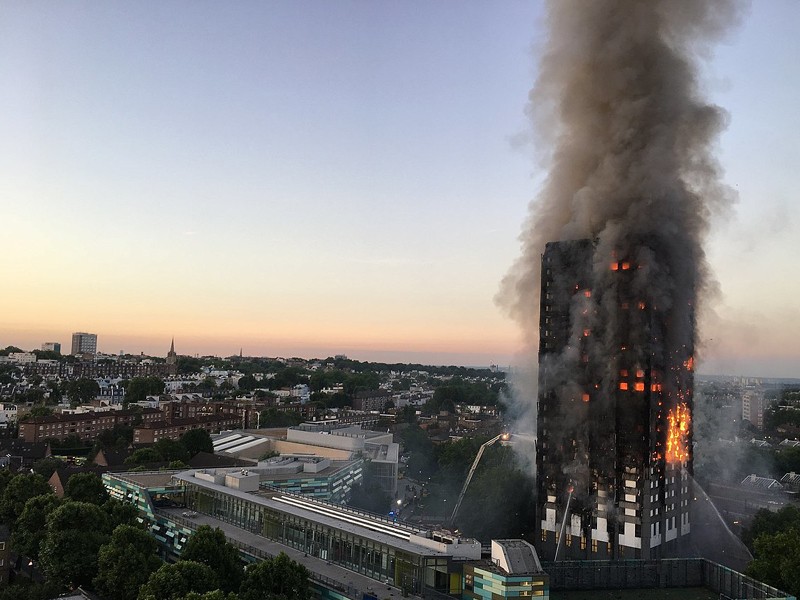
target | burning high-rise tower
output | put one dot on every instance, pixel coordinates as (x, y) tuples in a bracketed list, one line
[(614, 246), (614, 409)]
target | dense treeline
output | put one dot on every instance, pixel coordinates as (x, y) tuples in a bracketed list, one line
[(457, 391), (116, 557), (774, 539), (251, 365)]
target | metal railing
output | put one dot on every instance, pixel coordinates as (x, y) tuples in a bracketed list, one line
[(665, 573)]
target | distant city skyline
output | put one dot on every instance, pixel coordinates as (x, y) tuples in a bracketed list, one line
[(319, 178)]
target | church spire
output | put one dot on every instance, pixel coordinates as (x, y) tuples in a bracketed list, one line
[(172, 357)]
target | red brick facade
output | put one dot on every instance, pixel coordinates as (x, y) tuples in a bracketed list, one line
[(87, 426), (148, 433)]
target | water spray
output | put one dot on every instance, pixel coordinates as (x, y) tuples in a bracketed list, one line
[(564, 523)]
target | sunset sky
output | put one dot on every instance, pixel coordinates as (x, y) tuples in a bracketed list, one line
[(312, 178)]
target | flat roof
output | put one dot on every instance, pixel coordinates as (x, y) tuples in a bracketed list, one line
[(335, 467), (146, 479), (384, 531)]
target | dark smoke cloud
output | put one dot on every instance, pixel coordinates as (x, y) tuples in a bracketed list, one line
[(619, 106)]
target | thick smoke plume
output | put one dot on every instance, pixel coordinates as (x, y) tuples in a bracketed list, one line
[(618, 105)]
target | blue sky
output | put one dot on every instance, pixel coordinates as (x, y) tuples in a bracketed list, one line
[(315, 177)]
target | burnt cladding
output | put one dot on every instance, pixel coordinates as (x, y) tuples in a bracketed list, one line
[(614, 407)]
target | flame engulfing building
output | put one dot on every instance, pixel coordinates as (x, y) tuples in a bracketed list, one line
[(614, 454)]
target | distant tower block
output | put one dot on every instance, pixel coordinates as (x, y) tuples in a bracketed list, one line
[(52, 347), (614, 451), (84, 343)]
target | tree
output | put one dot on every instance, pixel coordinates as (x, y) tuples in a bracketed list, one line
[(171, 450), (209, 384), (81, 391), (247, 383), (144, 456), (215, 595), (5, 478), (121, 513), (189, 364), (119, 437), (29, 529), (47, 355), (288, 377), (86, 487), (197, 440), (422, 463), (401, 385), (407, 414), (138, 388), (274, 418), (209, 547), (18, 491), (55, 393), (338, 400), (787, 460), (75, 533), (498, 486), (32, 395), (38, 411), (30, 591), (47, 466), (777, 560), (767, 522), (455, 459), (125, 563), (72, 442), (278, 578), (173, 582)]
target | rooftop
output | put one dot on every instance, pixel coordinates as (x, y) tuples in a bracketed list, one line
[(380, 529), (519, 557)]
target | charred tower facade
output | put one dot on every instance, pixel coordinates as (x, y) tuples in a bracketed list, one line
[(614, 435)]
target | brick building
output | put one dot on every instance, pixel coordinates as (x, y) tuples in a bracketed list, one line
[(371, 400), (153, 431), (86, 426)]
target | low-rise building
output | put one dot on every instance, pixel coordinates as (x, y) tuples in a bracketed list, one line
[(378, 447), (514, 571), (311, 476), (22, 357), (761, 483), (349, 544), (86, 426), (153, 431), (8, 413), (370, 400), (17, 454), (791, 482)]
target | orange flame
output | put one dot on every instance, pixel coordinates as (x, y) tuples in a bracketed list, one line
[(678, 434)]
